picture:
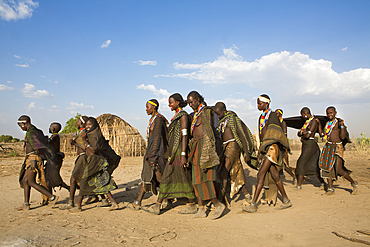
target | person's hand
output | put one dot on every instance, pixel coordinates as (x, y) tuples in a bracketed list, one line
[(184, 161), (247, 158)]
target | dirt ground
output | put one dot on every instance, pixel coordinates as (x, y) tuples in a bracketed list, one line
[(310, 221)]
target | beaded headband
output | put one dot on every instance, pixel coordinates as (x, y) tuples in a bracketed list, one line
[(152, 103), (82, 120), (280, 111)]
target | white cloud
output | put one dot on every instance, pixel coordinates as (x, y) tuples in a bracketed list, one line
[(17, 56), (9, 81), (153, 63), (78, 107), (31, 106), (344, 49), (17, 9), (5, 88), (54, 106), (30, 91), (43, 76), (106, 43), (162, 94), (23, 65), (291, 75)]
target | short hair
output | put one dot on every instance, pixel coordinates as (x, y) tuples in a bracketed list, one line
[(24, 118), (331, 107), (178, 97), (55, 127), (156, 103), (196, 95), (305, 109), (220, 106)]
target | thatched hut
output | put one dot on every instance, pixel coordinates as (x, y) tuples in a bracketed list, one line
[(125, 140)]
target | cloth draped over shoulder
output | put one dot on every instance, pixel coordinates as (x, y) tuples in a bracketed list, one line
[(155, 155), (274, 135), (174, 135), (208, 156), (42, 147), (242, 135), (101, 146)]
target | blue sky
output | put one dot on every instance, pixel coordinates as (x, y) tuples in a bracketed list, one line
[(94, 57)]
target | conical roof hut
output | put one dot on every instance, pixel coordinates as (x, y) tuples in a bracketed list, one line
[(125, 140)]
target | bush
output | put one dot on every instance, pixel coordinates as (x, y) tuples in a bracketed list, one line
[(13, 154), (363, 143)]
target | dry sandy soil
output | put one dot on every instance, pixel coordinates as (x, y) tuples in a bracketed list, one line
[(310, 221)]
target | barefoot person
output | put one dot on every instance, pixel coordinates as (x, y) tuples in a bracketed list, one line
[(287, 168), (308, 162), (80, 162), (176, 178), (36, 145), (237, 139), (96, 178), (331, 159), (154, 159), (271, 152), (203, 156)]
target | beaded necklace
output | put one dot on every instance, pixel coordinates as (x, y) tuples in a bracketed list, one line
[(222, 126), (328, 128), (150, 125), (306, 124), (264, 117), (196, 115), (176, 112)]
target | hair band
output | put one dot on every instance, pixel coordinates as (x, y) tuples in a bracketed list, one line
[(280, 111), (263, 99), (152, 103), (22, 121), (82, 120)]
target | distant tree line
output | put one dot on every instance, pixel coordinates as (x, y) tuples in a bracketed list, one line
[(8, 138)]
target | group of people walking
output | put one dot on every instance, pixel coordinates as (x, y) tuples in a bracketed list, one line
[(196, 156)]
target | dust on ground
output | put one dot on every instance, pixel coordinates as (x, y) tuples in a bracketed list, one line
[(310, 221)]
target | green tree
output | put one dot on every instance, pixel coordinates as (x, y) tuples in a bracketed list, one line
[(6, 138), (71, 125)]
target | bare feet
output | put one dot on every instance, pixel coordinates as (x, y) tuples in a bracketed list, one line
[(191, 209), (69, 205), (24, 207), (251, 208), (91, 199), (329, 192), (155, 209), (134, 205), (219, 210), (103, 203), (114, 206), (75, 210), (200, 214), (285, 205), (53, 201), (355, 188)]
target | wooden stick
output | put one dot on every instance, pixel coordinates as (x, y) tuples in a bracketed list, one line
[(352, 239)]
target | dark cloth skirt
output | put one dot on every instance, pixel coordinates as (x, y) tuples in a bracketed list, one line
[(176, 181), (79, 167), (96, 178), (308, 162)]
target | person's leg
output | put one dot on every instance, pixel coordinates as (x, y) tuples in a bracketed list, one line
[(330, 190), (136, 205), (260, 178), (78, 208), (114, 203), (276, 177), (345, 174), (220, 207), (300, 181), (27, 193), (201, 210)]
